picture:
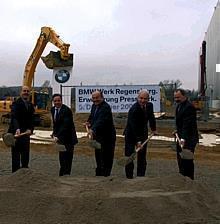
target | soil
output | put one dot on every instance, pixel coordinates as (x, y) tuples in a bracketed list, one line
[(38, 195)]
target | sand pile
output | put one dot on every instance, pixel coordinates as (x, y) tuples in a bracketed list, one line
[(30, 197)]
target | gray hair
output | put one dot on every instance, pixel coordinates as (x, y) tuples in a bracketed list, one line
[(143, 91)]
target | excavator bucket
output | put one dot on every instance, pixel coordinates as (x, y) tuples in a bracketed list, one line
[(53, 60)]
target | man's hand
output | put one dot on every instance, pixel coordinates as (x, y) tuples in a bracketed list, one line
[(182, 142), (18, 132), (87, 124), (55, 139), (138, 145)]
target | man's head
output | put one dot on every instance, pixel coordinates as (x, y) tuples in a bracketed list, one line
[(180, 96), (57, 100), (143, 97), (25, 92), (97, 97)]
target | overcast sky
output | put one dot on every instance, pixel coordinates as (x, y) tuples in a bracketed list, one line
[(113, 41)]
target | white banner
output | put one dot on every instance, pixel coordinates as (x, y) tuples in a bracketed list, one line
[(120, 98)]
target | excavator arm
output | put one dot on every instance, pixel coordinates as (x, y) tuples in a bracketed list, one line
[(47, 35), (55, 59)]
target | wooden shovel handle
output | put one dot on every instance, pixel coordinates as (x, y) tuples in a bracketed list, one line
[(145, 142), (87, 129), (178, 139), (22, 134), (131, 158)]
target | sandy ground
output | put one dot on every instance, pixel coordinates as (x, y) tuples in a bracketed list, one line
[(38, 195), (33, 197)]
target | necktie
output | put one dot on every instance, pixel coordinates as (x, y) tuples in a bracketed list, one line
[(26, 104), (56, 114), (179, 107), (96, 109)]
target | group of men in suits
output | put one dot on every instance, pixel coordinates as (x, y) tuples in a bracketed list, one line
[(101, 129), (22, 121)]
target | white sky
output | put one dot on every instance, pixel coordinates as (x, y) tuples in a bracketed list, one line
[(114, 41)]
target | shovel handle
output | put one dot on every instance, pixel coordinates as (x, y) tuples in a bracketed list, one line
[(87, 129), (131, 158), (88, 132), (22, 134), (145, 142), (178, 139)]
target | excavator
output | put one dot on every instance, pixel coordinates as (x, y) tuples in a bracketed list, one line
[(60, 58)]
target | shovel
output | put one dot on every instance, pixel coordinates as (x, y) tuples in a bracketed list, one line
[(185, 153), (9, 139), (93, 143), (58, 146), (125, 161)]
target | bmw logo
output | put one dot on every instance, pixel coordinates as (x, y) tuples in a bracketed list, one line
[(62, 76)]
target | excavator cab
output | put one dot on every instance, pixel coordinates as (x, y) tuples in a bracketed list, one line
[(42, 104), (41, 101)]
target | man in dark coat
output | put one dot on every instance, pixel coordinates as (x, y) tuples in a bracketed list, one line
[(186, 128), (136, 132), (64, 133), (103, 131), (22, 119)]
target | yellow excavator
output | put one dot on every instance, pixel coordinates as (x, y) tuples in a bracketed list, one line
[(61, 58)]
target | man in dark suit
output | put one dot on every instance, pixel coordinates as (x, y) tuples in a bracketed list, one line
[(22, 119), (64, 133), (186, 128), (136, 132), (103, 131)]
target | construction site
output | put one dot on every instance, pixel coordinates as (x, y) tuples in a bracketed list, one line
[(38, 195)]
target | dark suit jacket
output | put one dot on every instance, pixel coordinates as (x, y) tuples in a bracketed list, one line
[(63, 127), (137, 123), (102, 123), (186, 124), (22, 116)]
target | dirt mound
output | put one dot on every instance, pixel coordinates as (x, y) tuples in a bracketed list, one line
[(26, 179), (30, 197)]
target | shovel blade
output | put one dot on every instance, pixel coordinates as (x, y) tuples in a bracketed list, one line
[(60, 147), (122, 161), (127, 160), (94, 144), (187, 154), (8, 139)]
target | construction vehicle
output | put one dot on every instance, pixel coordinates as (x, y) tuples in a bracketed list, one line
[(61, 58), (5, 108), (200, 103)]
